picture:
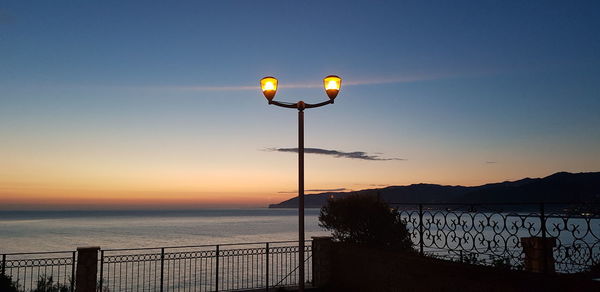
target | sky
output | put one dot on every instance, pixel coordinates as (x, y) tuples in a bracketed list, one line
[(156, 104)]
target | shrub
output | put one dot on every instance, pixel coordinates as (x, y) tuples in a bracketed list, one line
[(46, 284), (364, 220), (7, 284), (502, 263)]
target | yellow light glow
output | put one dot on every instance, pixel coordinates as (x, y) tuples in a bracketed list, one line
[(269, 87), (332, 85)]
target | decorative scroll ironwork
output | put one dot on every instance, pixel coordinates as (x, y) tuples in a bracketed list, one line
[(485, 234)]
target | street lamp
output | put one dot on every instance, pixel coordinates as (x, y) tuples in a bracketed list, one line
[(332, 86)]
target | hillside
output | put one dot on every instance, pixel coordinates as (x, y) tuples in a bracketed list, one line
[(559, 187)]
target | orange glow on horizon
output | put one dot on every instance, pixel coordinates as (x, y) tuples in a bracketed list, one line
[(92, 200), (141, 178)]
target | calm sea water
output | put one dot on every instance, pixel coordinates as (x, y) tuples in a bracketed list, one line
[(26, 231)]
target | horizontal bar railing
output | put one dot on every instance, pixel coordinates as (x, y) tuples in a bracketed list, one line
[(204, 245), (293, 273), (44, 271), (223, 267)]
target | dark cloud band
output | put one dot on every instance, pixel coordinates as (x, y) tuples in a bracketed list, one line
[(335, 153), (316, 190)]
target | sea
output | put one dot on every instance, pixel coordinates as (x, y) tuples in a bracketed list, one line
[(34, 231)]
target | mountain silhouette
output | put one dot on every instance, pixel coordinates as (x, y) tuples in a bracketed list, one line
[(560, 187)]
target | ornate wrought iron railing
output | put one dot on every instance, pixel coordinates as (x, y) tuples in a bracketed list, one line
[(486, 234), (44, 271)]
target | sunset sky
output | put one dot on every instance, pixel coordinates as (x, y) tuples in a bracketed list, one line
[(150, 104)]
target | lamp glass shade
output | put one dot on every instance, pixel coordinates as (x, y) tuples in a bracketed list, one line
[(332, 85), (268, 85)]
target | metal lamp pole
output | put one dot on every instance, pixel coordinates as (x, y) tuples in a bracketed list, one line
[(332, 85)]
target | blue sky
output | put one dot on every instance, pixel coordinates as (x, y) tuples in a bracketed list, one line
[(102, 99)]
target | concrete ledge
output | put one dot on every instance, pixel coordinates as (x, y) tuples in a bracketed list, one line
[(362, 269)]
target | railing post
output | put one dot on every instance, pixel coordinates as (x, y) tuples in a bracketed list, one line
[(162, 268), (217, 269), (267, 268), (101, 281), (421, 229), (86, 277), (538, 250), (73, 276), (544, 244), (3, 268), (322, 263)]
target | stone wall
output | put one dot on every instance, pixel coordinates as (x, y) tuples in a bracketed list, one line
[(351, 268)]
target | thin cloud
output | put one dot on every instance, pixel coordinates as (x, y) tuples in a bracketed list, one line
[(354, 82), (336, 153), (372, 185), (491, 162), (217, 88), (315, 190)]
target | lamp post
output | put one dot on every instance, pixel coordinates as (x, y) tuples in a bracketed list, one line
[(332, 86)]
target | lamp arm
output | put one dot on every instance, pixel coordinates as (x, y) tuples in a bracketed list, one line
[(283, 104), (313, 105), (296, 105)]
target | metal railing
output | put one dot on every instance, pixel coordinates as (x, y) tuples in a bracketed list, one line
[(224, 267), (471, 233), (485, 234), (44, 271)]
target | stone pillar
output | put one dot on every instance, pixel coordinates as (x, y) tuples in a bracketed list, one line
[(87, 269), (539, 256), (322, 247)]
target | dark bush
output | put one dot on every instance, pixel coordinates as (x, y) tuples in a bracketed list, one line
[(364, 220), (7, 284), (47, 284)]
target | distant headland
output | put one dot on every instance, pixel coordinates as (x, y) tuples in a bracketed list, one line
[(558, 187)]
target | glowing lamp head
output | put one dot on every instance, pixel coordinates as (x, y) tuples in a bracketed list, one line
[(332, 85), (269, 87)]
